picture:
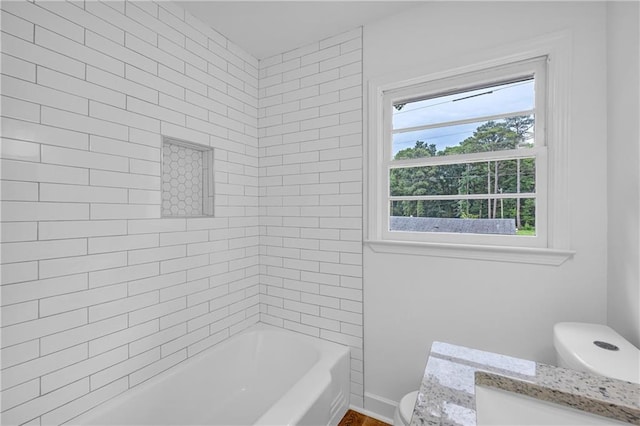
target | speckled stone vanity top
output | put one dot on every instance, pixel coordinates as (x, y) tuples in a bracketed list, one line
[(447, 392)]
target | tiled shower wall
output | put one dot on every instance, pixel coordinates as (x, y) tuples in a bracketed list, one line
[(98, 292), (310, 127)]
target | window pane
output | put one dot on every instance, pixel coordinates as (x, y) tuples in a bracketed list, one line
[(495, 100), (487, 136), (509, 216), (486, 177)]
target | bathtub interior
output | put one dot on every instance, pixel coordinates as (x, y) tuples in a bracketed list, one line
[(261, 376)]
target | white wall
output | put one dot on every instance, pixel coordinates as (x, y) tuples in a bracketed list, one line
[(510, 308), (98, 293), (310, 127), (623, 187)]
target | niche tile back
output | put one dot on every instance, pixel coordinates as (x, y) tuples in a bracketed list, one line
[(187, 179)]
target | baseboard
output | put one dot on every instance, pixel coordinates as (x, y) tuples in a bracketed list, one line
[(378, 407)]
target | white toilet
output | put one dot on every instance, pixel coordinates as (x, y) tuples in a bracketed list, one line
[(402, 416), (596, 349)]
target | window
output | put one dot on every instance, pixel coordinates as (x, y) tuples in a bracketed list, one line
[(463, 158)]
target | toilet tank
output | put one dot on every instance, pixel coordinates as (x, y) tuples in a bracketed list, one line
[(596, 349)]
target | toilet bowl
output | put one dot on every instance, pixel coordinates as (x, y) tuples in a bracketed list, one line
[(596, 349), (404, 411)]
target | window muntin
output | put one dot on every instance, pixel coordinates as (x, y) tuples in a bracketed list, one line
[(478, 156)]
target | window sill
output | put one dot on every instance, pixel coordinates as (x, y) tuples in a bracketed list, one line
[(536, 256)]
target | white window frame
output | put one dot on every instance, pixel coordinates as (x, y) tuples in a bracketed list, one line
[(551, 245)]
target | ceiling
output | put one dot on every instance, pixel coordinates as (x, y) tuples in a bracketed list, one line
[(266, 28)]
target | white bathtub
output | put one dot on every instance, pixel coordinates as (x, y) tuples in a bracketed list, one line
[(263, 376)]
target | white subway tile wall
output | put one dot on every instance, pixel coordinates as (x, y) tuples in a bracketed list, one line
[(310, 153), (99, 293)]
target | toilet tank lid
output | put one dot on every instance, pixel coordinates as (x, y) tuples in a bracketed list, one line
[(575, 341)]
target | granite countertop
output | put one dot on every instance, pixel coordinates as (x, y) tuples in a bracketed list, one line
[(447, 392)]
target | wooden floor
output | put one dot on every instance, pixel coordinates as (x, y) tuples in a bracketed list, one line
[(353, 418)]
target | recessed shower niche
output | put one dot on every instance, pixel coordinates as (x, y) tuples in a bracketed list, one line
[(187, 179)]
